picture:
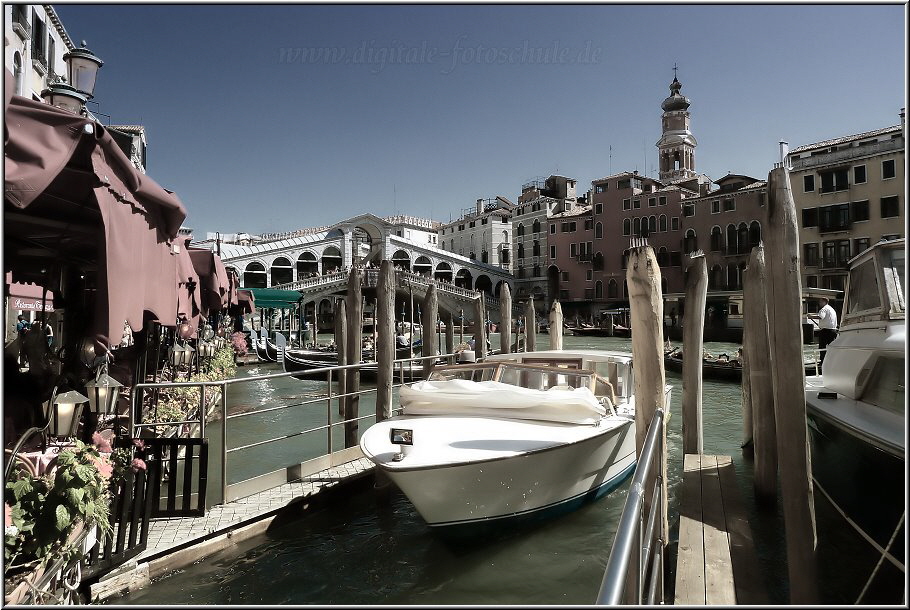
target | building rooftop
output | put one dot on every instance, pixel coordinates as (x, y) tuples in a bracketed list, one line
[(578, 211), (128, 128), (845, 139)]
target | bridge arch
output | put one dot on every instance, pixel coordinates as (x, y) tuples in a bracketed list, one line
[(423, 266), (254, 276), (307, 265), (464, 279), (331, 259), (402, 259), (443, 272), (281, 271), (484, 283)]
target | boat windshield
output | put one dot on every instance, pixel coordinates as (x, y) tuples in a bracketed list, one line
[(864, 294), (885, 387)]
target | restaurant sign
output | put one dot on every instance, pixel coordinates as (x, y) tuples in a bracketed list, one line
[(28, 304)]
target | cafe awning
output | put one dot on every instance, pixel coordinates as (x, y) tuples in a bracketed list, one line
[(73, 201), (273, 298)]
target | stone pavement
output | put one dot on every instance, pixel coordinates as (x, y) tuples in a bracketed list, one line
[(169, 535)]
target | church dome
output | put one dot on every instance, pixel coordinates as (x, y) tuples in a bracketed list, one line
[(676, 101)]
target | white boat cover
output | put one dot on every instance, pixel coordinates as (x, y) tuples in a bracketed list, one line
[(495, 399)]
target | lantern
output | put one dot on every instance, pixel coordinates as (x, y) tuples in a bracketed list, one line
[(63, 412), (175, 354), (103, 392)]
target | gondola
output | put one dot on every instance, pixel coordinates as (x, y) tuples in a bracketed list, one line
[(719, 368)]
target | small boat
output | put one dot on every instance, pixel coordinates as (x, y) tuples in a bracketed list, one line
[(297, 360), (515, 438), (720, 367), (593, 331), (857, 415)]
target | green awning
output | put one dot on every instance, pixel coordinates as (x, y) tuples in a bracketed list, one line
[(272, 298)]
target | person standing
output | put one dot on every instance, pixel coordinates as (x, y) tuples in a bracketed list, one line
[(827, 326)]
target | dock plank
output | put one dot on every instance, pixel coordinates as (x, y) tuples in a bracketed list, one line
[(690, 565), (719, 587)]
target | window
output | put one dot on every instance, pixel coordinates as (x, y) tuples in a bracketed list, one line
[(715, 206), (833, 282), (860, 244), (810, 255), (623, 184), (636, 203), (662, 222), (51, 51), (589, 275), (627, 226), (553, 253), (662, 201), (890, 207), (536, 248), (483, 221), (812, 281), (598, 208), (535, 228), (553, 228), (688, 209), (652, 202), (589, 224), (627, 204), (521, 251), (573, 250), (600, 188), (472, 224), (39, 40), (809, 183), (729, 205), (834, 180), (859, 210), (810, 217), (835, 253), (888, 169), (564, 276), (536, 271), (717, 239), (598, 230), (834, 217), (859, 174), (674, 223)]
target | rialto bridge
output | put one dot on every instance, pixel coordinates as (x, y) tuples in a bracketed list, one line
[(317, 263)]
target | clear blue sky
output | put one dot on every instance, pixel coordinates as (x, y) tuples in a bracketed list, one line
[(403, 113)]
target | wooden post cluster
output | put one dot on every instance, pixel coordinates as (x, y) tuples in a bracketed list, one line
[(450, 330), (788, 376), (384, 323), (355, 355), (693, 347), (556, 326), (430, 313), (757, 376), (505, 319), (530, 326), (647, 312)]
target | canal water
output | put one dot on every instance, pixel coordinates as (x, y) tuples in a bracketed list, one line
[(364, 551)]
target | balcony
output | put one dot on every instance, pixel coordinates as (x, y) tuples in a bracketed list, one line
[(20, 22), (834, 227), (39, 61)]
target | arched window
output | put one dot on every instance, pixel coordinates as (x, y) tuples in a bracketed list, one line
[(742, 238), (536, 248), (521, 229), (717, 239), (307, 265), (282, 272), (662, 223), (636, 227), (690, 243), (612, 290), (732, 277), (663, 256), (627, 226), (331, 259), (484, 256), (521, 251), (536, 226), (536, 271), (754, 234), (254, 276), (598, 230), (598, 289), (652, 224), (598, 261), (716, 279), (731, 239), (17, 72)]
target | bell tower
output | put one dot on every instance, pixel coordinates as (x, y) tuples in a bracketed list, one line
[(676, 147)]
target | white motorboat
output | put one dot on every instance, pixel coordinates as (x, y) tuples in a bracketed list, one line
[(516, 436), (856, 410)]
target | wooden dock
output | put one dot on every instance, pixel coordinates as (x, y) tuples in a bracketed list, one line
[(716, 564)]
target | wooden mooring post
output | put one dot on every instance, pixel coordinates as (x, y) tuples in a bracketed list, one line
[(384, 325), (693, 347), (530, 326), (647, 307), (449, 320), (355, 355), (341, 348), (429, 321), (480, 328), (757, 376), (505, 319), (555, 322), (788, 377)]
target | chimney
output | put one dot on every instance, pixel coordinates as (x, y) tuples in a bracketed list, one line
[(902, 120), (479, 207)]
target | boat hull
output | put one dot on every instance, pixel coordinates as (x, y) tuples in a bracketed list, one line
[(538, 483)]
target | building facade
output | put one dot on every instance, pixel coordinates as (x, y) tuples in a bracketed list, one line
[(483, 233), (36, 42), (849, 192)]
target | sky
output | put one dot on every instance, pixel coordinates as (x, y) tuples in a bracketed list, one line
[(271, 118)]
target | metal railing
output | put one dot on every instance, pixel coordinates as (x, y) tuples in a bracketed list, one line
[(403, 370), (636, 559)]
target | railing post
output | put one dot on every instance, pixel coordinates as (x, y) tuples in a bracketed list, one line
[(328, 406), (224, 444)]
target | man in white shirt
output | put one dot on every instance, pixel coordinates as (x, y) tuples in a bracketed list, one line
[(827, 326)]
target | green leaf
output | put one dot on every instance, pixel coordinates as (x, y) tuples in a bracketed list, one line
[(63, 518)]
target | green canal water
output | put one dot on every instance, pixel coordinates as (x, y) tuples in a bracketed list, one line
[(362, 551)]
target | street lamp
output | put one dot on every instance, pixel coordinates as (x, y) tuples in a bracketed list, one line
[(82, 69), (103, 392), (61, 95), (63, 412)]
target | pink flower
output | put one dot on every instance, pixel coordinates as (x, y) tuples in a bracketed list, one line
[(139, 443), (103, 444), (7, 515), (105, 469), (137, 464)]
